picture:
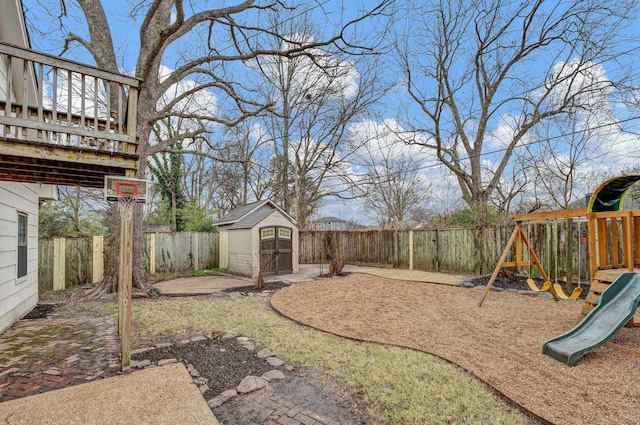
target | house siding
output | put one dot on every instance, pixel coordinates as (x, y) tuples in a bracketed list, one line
[(17, 296), (240, 247)]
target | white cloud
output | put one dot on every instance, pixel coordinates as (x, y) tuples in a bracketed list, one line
[(315, 72)]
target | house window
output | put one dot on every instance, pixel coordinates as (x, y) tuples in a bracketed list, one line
[(22, 245), (284, 233), (268, 233)]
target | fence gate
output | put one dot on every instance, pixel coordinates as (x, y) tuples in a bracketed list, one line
[(276, 255)]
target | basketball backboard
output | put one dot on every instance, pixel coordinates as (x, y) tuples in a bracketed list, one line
[(125, 187)]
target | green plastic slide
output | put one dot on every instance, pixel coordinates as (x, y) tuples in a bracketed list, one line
[(615, 307)]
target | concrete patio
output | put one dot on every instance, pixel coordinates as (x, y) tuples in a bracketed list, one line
[(158, 396)]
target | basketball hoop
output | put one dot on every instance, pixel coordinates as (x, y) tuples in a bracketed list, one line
[(126, 191), (125, 205)]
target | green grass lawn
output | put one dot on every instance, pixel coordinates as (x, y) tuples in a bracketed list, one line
[(399, 386)]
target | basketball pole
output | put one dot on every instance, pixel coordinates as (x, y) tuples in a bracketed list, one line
[(124, 285), (126, 191)]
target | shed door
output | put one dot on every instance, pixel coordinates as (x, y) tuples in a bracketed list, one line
[(276, 255)]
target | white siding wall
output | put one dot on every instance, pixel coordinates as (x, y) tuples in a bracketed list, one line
[(17, 296), (240, 247)]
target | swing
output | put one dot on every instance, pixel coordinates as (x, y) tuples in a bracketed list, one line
[(532, 284), (559, 290)]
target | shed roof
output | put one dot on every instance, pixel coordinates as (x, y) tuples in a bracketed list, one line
[(247, 216), (609, 196)]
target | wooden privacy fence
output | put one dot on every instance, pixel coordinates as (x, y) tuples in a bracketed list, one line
[(561, 248), (173, 252), (65, 263)]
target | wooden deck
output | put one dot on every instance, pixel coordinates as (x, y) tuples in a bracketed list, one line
[(76, 125), (611, 274), (601, 280)]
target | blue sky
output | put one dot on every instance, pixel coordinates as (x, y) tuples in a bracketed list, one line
[(328, 13)]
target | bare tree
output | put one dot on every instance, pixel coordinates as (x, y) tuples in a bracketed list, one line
[(242, 171), (78, 212), (205, 45), (391, 178), (315, 98), (562, 159), (484, 73)]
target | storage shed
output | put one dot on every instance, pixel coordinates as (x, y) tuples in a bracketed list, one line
[(258, 237)]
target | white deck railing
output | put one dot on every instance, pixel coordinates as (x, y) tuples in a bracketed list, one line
[(71, 105)]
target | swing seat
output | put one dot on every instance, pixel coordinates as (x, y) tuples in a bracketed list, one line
[(560, 292), (545, 287)]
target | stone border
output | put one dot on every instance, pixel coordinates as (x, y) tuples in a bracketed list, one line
[(249, 384)]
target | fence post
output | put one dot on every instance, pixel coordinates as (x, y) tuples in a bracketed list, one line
[(410, 249), (97, 255), (223, 262), (59, 260), (152, 253), (195, 251)]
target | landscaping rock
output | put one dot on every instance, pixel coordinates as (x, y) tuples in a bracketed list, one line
[(219, 294), (234, 295), (273, 375), (250, 384), (546, 295), (165, 362), (163, 345), (222, 398), (248, 345), (264, 353), (142, 350), (230, 334), (482, 287), (140, 364), (200, 380), (198, 338), (242, 339), (466, 284), (275, 362)]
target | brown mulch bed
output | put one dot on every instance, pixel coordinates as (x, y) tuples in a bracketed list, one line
[(500, 342)]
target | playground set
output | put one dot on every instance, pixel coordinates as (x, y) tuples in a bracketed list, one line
[(614, 270)]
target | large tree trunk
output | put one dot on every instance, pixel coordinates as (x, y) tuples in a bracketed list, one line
[(140, 278), (479, 207)]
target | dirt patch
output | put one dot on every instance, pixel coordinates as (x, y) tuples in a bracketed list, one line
[(223, 362), (500, 342), (41, 311), (269, 286)]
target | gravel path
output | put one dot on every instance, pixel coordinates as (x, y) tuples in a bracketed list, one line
[(501, 342)]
